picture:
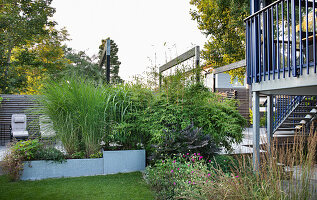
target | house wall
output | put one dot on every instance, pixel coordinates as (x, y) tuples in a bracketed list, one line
[(223, 81)]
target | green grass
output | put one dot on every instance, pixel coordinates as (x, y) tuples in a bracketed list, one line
[(119, 186)]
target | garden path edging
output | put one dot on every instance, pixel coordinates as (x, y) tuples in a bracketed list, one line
[(112, 162)]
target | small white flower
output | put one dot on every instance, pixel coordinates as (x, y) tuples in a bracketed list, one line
[(102, 143)]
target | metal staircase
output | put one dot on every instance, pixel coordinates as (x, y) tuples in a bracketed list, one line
[(293, 112)]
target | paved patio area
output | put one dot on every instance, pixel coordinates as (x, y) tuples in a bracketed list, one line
[(245, 147), (2, 152)]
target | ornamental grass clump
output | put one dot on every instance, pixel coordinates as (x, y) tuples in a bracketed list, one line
[(285, 173), (76, 109), (88, 116)]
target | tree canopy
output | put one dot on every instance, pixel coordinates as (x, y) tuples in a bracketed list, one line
[(222, 22), (87, 66), (21, 21), (30, 46)]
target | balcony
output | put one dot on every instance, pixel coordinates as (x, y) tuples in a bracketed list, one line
[(281, 48)]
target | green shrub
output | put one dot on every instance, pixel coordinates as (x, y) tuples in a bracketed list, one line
[(26, 149), (132, 116), (237, 179), (50, 154), (96, 155), (13, 165), (217, 117), (78, 155), (190, 139), (169, 178)]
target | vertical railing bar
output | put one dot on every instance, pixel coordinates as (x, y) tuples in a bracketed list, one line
[(247, 50), (278, 43), (254, 56), (283, 107), (278, 108), (273, 114), (294, 67), (314, 35), (268, 44), (273, 48), (264, 44), (259, 47), (283, 39), (300, 38), (307, 46), (274, 110), (250, 47), (251, 50), (256, 48), (288, 99), (288, 42), (275, 99)]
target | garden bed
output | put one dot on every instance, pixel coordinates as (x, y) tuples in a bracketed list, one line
[(112, 162)]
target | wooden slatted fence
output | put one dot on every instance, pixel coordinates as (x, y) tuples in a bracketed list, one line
[(240, 94), (16, 104)]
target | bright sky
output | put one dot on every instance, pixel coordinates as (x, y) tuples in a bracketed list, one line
[(139, 27)]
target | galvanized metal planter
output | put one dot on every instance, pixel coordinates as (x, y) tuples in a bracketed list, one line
[(112, 162)]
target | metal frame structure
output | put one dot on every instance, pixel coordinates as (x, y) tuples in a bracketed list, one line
[(280, 59), (194, 52)]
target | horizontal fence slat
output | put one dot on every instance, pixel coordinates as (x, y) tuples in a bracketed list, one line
[(16, 104), (185, 56)]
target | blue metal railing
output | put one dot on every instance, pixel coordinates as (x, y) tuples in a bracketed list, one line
[(283, 107), (281, 41)]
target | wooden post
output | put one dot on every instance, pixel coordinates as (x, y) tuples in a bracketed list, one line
[(160, 79), (197, 57), (213, 81), (256, 131)]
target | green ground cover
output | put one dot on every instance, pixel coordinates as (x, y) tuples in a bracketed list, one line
[(119, 186)]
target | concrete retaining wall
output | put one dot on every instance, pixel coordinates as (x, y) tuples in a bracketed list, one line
[(111, 163)]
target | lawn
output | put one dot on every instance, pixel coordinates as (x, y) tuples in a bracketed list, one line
[(119, 186)]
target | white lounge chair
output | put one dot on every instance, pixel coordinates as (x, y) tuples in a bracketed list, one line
[(18, 126), (46, 127)]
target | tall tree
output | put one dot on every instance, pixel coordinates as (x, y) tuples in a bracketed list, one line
[(222, 22), (80, 64), (40, 59), (114, 61), (24, 29), (21, 21)]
